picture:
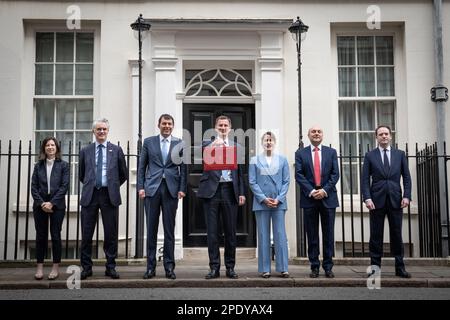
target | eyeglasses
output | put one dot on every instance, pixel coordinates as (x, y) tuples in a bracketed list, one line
[(101, 129)]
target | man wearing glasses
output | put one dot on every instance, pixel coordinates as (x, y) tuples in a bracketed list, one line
[(102, 170)]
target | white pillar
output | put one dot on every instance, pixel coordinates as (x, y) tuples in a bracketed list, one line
[(165, 64)]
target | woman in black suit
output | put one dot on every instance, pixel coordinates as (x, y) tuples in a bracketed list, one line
[(49, 186)]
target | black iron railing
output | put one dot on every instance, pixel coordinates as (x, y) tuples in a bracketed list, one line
[(426, 214)]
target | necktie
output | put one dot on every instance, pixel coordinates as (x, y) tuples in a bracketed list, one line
[(98, 175), (386, 161), (316, 167), (164, 149)]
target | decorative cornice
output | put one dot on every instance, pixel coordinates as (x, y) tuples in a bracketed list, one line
[(164, 64)]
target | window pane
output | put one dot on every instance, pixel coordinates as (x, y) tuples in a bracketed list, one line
[(365, 50), (348, 142), (366, 116), (84, 114), (39, 137), (64, 47), (83, 81), (385, 81), (347, 186), (65, 138), (45, 114), (386, 114), (347, 116), (366, 82), (347, 82), (366, 141), (64, 114), (385, 51), (84, 137), (346, 50), (44, 79), (44, 47), (64, 79), (85, 47)]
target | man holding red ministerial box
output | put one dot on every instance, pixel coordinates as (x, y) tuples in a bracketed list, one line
[(222, 190)]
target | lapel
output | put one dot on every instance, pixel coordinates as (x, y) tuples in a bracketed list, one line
[(172, 145), (379, 161), (267, 169), (309, 157), (43, 170), (109, 153), (157, 145), (91, 151)]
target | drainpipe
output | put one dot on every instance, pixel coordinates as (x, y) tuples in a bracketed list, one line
[(439, 96)]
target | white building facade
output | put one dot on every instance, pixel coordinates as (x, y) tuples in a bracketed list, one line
[(65, 64)]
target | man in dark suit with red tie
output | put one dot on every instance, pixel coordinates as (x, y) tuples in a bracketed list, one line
[(317, 172), (102, 170), (380, 186)]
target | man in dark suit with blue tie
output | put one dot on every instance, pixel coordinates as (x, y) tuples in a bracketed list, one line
[(317, 172), (221, 190), (162, 182), (380, 186), (102, 170)]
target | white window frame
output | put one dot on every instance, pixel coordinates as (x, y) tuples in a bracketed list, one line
[(388, 29)]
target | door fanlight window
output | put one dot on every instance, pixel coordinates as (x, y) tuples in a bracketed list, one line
[(218, 82)]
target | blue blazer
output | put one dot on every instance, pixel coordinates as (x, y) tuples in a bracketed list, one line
[(385, 184), (304, 175), (152, 168), (269, 181), (117, 172), (59, 183), (209, 181)]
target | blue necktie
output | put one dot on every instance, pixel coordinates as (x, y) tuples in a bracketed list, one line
[(98, 175), (386, 161), (164, 150)]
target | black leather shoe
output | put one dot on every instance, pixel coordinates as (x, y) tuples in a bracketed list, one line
[(329, 274), (170, 275), (231, 274), (402, 273), (149, 274), (85, 274), (314, 273), (212, 274), (112, 273)]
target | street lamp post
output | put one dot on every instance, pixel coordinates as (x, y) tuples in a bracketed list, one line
[(141, 27), (298, 30)]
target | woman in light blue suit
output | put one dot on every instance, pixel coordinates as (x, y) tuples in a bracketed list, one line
[(269, 181)]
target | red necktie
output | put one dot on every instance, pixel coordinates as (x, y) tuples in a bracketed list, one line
[(316, 167)]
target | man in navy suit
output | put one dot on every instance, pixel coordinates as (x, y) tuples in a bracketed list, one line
[(317, 172), (380, 185), (102, 170), (162, 182), (221, 189)]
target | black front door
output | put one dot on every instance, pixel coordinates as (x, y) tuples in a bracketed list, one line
[(194, 227)]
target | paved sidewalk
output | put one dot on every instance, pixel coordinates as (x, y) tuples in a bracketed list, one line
[(431, 273)]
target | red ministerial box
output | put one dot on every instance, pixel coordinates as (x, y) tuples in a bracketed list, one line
[(220, 158)]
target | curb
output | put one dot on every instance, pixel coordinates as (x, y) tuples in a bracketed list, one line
[(226, 283)]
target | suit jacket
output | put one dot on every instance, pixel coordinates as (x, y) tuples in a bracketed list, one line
[(59, 183), (209, 181), (116, 172), (385, 184), (329, 172), (152, 168), (269, 181)]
